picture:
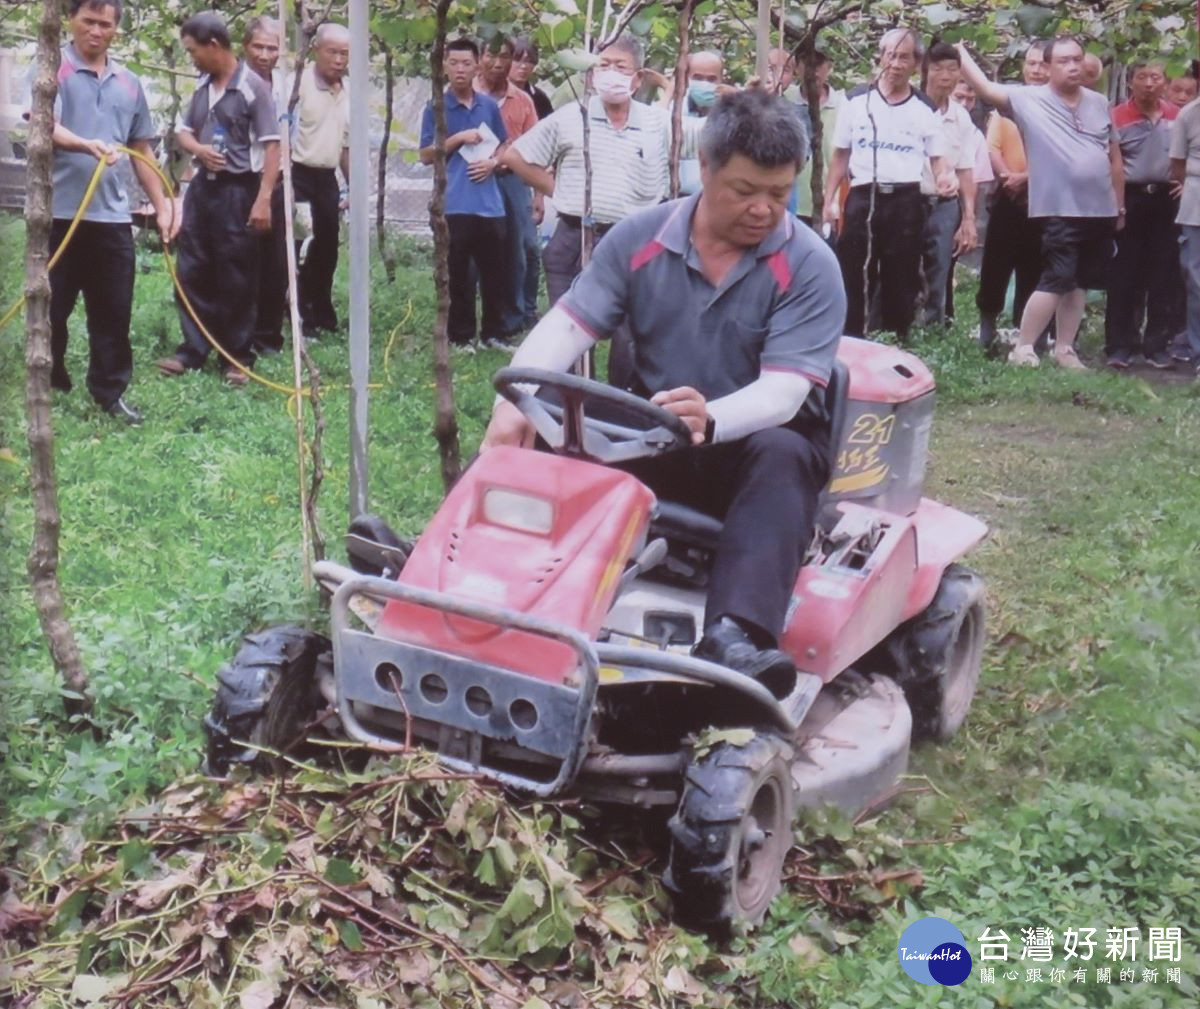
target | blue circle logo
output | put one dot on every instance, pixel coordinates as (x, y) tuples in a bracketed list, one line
[(932, 951)]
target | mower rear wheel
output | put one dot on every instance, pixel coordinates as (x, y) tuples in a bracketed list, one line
[(731, 833), (943, 652), (268, 696)]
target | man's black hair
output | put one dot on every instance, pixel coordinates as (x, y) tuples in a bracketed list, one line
[(759, 126), (939, 51), (116, 5), (523, 45), (1060, 40), (207, 27), (462, 44)]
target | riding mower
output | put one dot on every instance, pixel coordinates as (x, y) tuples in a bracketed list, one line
[(539, 633)]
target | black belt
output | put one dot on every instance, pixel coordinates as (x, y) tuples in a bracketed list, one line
[(577, 224), (888, 188), (1149, 188)]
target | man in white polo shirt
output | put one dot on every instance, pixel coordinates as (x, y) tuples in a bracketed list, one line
[(884, 137), (320, 145), (628, 148)]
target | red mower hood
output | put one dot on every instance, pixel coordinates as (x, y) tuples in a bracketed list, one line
[(541, 534)]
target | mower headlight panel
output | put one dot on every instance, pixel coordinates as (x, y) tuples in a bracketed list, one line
[(514, 510)]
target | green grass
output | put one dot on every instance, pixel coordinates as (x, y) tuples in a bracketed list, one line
[(1067, 801)]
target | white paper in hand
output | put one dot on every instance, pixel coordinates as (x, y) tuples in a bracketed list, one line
[(484, 149)]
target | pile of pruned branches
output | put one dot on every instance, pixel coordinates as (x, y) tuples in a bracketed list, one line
[(399, 885)]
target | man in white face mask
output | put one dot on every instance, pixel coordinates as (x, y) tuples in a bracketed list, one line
[(628, 148)]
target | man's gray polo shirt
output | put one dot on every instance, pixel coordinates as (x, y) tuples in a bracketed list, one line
[(781, 307), (246, 112), (1067, 149), (111, 107)]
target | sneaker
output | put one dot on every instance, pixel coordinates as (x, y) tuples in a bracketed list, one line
[(1118, 359), (1023, 353), (1065, 357), (1161, 360), (125, 413), (498, 343), (60, 380), (234, 377), (727, 644), (463, 348), (1180, 352)]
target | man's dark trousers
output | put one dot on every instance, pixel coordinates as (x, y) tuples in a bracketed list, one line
[(765, 487), (478, 240), (897, 229), (272, 279), (99, 264), (1144, 271), (319, 188), (1013, 243), (217, 259)]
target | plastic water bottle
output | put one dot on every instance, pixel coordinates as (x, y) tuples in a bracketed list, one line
[(218, 143)]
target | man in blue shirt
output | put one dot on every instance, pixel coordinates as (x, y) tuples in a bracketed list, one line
[(474, 206), (100, 106)]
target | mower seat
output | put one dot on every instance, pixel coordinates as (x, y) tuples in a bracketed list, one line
[(681, 524)]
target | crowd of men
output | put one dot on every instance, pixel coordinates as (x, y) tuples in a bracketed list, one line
[(1075, 195), (229, 237)]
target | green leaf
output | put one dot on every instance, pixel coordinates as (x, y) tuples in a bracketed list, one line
[(339, 872), (524, 898), (485, 871), (271, 857), (618, 914), (350, 936), (1034, 20), (577, 60)]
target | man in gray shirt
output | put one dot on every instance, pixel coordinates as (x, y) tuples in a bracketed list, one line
[(100, 106), (1076, 186), (230, 128), (735, 311)]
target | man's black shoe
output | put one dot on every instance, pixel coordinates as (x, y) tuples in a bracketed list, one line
[(726, 644), (61, 381), (122, 411), (987, 332)]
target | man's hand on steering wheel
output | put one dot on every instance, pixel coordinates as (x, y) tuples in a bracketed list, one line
[(689, 406), (508, 426)]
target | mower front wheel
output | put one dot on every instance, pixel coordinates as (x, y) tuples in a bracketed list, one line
[(268, 696), (731, 833), (943, 648)]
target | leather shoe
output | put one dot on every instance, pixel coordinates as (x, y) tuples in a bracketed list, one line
[(60, 380), (727, 644), (122, 411), (170, 366)]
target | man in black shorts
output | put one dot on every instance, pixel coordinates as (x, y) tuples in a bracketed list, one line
[(1076, 186)]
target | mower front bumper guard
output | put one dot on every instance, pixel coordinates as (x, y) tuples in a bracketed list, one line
[(470, 698)]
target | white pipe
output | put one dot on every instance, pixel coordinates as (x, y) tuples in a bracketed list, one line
[(360, 263)]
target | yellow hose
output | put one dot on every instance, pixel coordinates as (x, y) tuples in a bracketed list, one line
[(287, 390)]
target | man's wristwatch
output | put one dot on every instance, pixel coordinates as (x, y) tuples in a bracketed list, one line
[(710, 429)]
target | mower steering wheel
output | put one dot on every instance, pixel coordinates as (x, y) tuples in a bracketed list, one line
[(568, 430)]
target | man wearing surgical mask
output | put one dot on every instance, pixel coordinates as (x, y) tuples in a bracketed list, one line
[(628, 154), (705, 77)]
